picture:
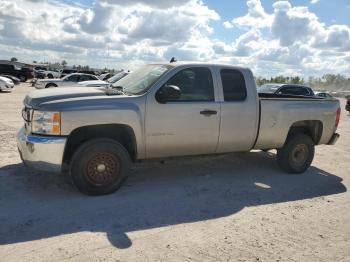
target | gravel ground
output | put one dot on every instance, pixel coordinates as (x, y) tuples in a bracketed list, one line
[(238, 207)]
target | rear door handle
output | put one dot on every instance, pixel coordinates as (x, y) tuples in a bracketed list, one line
[(208, 112)]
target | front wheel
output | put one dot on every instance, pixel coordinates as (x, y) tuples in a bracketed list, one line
[(99, 166), (297, 154)]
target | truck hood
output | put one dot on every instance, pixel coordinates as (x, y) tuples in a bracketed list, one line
[(93, 83), (37, 97), (49, 80)]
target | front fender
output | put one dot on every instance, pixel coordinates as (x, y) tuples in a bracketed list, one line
[(114, 112)]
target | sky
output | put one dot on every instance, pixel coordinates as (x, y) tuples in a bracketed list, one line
[(295, 37)]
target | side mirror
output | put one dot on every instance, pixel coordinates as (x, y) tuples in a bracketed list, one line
[(168, 93)]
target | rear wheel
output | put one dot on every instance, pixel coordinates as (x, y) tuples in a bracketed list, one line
[(50, 76), (297, 154), (50, 85), (22, 78), (99, 166)]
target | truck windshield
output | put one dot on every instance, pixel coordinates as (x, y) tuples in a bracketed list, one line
[(116, 77), (141, 80), (268, 88)]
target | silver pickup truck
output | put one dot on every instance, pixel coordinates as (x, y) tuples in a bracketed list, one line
[(168, 110)]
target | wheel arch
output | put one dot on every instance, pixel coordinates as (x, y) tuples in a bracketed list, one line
[(312, 128), (51, 84), (121, 133)]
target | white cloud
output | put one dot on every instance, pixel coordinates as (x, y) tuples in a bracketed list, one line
[(227, 24), (335, 37), (96, 20), (294, 39), (292, 24), (256, 16), (152, 3), (288, 39), (146, 25), (314, 1), (131, 29), (247, 43)]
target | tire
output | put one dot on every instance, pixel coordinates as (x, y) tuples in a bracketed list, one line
[(296, 155), (50, 85), (99, 167), (50, 76), (22, 78)]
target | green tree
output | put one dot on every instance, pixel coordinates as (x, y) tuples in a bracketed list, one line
[(14, 59)]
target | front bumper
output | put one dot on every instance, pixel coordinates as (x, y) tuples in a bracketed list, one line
[(39, 85), (44, 153), (7, 86)]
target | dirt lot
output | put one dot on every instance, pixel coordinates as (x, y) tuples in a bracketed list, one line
[(238, 207)]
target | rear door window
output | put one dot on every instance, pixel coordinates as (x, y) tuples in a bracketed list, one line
[(86, 78), (73, 78), (233, 85)]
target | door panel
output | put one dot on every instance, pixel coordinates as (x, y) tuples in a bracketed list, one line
[(189, 126), (239, 110)]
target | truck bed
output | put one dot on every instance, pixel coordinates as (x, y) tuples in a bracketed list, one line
[(278, 113)]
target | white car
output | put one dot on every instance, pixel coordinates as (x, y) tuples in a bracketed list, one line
[(323, 94), (68, 80), (107, 83), (6, 84), (52, 73), (105, 76)]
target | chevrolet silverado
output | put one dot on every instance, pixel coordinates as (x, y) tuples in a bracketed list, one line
[(168, 110)]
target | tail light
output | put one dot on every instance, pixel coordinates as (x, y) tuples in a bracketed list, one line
[(337, 117)]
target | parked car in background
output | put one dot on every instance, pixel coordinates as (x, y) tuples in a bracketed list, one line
[(68, 80), (23, 73), (6, 84), (39, 72), (14, 79), (107, 83), (52, 73), (168, 110), (286, 89), (87, 72), (323, 94), (105, 76), (347, 106), (28, 73), (59, 73), (65, 72)]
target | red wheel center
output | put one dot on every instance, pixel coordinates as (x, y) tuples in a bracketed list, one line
[(103, 169)]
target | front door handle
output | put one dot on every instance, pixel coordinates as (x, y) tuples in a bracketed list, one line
[(208, 112)]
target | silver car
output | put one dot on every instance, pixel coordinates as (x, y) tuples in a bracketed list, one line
[(68, 80)]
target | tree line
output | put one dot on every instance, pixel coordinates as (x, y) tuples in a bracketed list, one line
[(63, 64)]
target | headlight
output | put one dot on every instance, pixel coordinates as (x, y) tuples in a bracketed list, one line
[(46, 123)]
